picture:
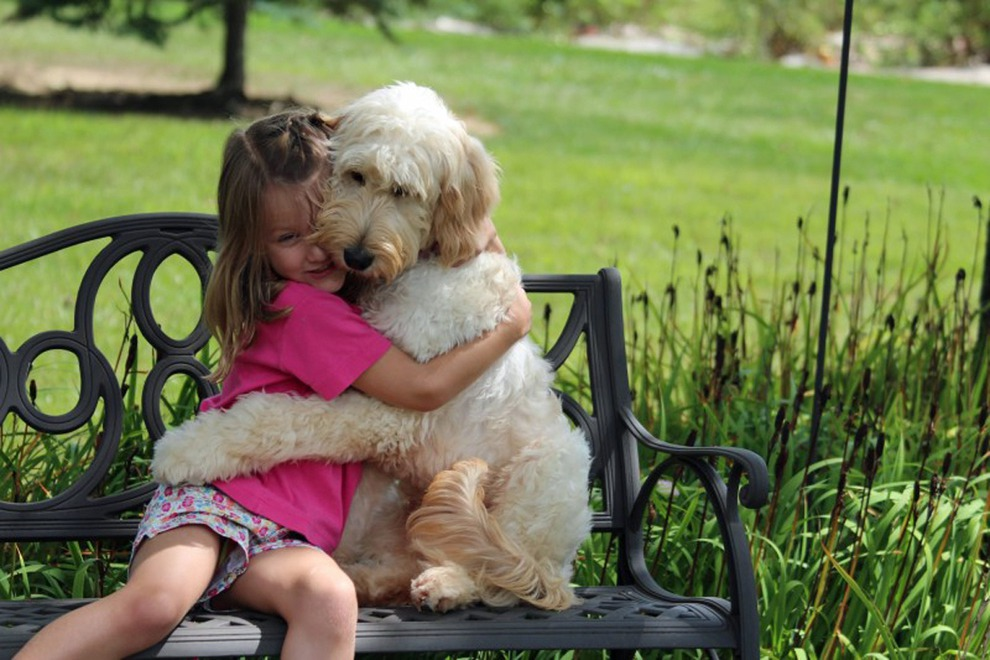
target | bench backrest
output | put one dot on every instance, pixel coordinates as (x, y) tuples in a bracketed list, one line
[(119, 411)]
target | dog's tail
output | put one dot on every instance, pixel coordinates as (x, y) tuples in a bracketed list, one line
[(453, 524)]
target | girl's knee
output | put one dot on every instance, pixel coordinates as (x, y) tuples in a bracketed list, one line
[(325, 592), (331, 586), (153, 614)]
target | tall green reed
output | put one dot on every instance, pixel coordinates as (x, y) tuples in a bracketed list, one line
[(877, 541)]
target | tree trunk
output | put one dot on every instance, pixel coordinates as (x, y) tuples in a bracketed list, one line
[(230, 86)]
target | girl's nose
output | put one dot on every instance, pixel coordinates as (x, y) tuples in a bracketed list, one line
[(316, 249), (316, 253)]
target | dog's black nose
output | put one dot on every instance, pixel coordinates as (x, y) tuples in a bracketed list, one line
[(358, 258)]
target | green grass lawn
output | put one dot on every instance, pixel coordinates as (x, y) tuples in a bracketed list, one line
[(603, 153)]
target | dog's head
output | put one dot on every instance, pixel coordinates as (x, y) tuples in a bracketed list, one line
[(407, 178)]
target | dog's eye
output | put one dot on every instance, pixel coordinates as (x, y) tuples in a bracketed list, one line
[(399, 191), (357, 178)]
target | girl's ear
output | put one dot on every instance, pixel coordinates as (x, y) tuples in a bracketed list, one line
[(467, 197)]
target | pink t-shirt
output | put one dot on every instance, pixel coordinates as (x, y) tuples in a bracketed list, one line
[(321, 347)]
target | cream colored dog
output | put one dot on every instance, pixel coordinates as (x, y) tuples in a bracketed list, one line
[(496, 479), (407, 178)]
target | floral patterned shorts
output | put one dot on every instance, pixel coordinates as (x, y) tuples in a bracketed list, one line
[(247, 534)]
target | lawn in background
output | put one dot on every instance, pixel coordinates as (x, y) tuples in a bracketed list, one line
[(603, 153)]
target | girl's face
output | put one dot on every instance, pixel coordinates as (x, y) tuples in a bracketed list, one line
[(287, 220)]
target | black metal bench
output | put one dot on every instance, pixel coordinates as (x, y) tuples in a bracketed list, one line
[(105, 434)]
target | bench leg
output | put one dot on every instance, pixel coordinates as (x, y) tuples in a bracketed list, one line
[(621, 654)]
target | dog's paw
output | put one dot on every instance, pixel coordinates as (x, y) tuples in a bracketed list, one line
[(444, 588), (174, 467), (184, 455)]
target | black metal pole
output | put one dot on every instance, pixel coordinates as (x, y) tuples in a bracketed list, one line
[(840, 116)]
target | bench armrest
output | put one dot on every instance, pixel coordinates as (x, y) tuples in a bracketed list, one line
[(752, 495), (724, 496)]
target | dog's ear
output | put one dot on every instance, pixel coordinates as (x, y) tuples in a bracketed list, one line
[(467, 197)]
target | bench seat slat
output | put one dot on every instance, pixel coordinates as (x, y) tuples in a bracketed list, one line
[(608, 617)]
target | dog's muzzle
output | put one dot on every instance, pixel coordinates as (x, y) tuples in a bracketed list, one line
[(358, 258)]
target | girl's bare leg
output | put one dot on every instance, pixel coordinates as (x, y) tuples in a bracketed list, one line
[(169, 574), (307, 588)]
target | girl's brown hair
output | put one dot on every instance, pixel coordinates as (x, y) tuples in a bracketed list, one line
[(286, 148)]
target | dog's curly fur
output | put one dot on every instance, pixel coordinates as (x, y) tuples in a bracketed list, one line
[(407, 178), (491, 488)]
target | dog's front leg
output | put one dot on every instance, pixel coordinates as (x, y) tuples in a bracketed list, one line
[(262, 430), (374, 550)]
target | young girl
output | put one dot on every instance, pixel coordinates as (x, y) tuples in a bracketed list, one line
[(263, 542)]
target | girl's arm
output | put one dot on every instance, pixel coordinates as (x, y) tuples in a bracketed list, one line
[(487, 238), (398, 380)]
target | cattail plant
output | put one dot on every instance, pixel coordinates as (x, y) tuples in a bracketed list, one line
[(877, 540)]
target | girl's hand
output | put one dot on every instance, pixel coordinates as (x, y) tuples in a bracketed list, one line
[(488, 240), (520, 315)]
